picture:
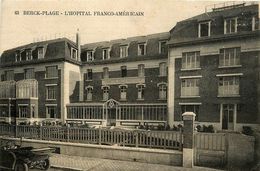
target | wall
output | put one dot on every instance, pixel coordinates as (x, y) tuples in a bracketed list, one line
[(154, 156)]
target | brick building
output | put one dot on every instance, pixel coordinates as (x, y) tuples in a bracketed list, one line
[(34, 81), (208, 64), (214, 67)]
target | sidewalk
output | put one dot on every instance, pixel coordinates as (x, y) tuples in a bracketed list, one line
[(93, 164)]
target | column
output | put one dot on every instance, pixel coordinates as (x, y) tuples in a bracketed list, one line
[(188, 132)]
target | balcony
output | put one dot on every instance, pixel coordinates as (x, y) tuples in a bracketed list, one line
[(123, 80), (7, 89), (27, 89)]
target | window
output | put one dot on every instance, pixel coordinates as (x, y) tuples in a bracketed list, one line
[(123, 92), (228, 86), (51, 111), (141, 70), (229, 57), (190, 60), (52, 72), (123, 71), (190, 87), (4, 111), (191, 108), (255, 23), (9, 75), (40, 53), (163, 69), (141, 49), (89, 74), (29, 73), (140, 89), (74, 54), (106, 54), (105, 72), (230, 25), (23, 111), (33, 110), (204, 29), (90, 55), (51, 92), (17, 56), (105, 93), (28, 54), (89, 93), (162, 91), (123, 51), (162, 47)]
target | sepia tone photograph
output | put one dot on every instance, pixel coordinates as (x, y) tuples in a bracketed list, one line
[(129, 85)]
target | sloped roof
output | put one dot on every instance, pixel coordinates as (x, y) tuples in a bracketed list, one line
[(140, 39)]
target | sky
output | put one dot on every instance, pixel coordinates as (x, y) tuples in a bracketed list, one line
[(159, 16)]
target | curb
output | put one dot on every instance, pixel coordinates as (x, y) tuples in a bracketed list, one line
[(66, 168)]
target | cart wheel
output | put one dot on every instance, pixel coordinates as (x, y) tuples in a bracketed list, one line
[(20, 166), (46, 164)]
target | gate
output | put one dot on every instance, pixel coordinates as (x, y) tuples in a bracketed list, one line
[(210, 149)]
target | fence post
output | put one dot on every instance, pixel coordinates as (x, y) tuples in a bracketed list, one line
[(136, 139), (188, 133), (16, 131), (68, 134), (40, 131), (180, 145), (99, 135)]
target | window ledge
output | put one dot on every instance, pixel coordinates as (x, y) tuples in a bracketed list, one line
[(162, 99), (88, 80), (190, 96), (232, 66), (88, 100), (51, 78), (228, 95), (190, 69), (51, 99), (162, 76), (140, 99), (122, 99)]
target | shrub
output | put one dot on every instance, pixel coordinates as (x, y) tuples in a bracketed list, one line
[(247, 130), (85, 125), (175, 128), (141, 127), (167, 127), (198, 128), (161, 127)]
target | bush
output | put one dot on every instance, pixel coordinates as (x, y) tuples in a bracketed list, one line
[(161, 127), (209, 129), (85, 125), (167, 127), (247, 130), (198, 127), (175, 128), (141, 127)]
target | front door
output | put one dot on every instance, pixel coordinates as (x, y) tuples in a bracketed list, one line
[(111, 117), (228, 113)]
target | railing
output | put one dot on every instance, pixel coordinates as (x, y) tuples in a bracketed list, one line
[(130, 138)]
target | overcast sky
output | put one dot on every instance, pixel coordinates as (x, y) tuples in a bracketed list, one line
[(159, 16)]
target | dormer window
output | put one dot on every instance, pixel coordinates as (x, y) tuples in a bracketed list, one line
[(28, 54), (230, 25), (73, 53), (123, 51), (90, 55), (204, 29), (141, 49), (162, 47), (17, 56), (40, 53), (106, 54)]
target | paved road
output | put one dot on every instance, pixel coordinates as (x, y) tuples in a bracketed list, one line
[(75, 163)]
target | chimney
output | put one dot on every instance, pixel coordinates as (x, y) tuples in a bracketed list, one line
[(78, 45)]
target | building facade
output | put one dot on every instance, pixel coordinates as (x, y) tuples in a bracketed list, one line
[(208, 64), (214, 68)]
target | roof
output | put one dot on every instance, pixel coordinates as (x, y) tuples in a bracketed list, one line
[(40, 44), (139, 39), (177, 32)]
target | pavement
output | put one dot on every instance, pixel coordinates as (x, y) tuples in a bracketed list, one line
[(74, 163)]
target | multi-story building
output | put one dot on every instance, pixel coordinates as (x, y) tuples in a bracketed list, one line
[(208, 64), (117, 82), (125, 82), (36, 80), (214, 68)]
